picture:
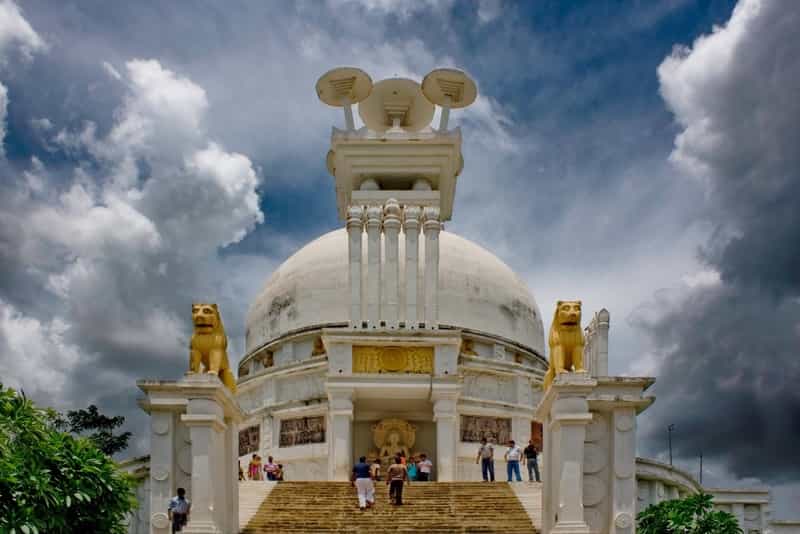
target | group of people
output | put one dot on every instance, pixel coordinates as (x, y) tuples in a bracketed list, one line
[(513, 457), (401, 471), (257, 471)]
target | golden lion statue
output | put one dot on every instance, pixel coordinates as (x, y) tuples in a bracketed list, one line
[(209, 344), (566, 340)]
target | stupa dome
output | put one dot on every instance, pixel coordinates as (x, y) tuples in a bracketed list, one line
[(477, 292)]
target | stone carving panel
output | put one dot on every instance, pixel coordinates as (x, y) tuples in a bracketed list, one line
[(249, 440), (416, 360), (301, 387), (594, 490), (474, 428), (488, 386), (597, 429), (302, 431), (594, 458)]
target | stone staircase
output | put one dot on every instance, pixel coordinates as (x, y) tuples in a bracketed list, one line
[(251, 496), (530, 496), (428, 507)]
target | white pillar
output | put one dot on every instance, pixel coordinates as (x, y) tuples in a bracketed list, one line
[(603, 323), (206, 427), (623, 479), (446, 418), (431, 227), (374, 265), (162, 467), (355, 229), (564, 411), (391, 228), (411, 216), (340, 443)]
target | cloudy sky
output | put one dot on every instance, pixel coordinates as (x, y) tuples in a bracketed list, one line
[(642, 156)]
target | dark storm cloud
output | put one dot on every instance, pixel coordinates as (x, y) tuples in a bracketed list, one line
[(731, 350)]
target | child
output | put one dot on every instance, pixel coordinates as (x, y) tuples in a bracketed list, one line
[(411, 466), (279, 473)]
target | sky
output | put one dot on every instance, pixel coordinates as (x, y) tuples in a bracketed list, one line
[(641, 156)]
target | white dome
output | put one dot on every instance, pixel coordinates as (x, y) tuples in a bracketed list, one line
[(477, 292)]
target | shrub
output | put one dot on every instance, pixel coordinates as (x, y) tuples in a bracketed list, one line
[(691, 515), (52, 482)]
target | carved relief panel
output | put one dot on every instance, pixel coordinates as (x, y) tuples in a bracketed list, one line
[(488, 386), (301, 387), (368, 359), (249, 440), (302, 431), (475, 428)]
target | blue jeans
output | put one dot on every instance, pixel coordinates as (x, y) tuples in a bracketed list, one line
[(533, 467), (487, 468), (513, 467)]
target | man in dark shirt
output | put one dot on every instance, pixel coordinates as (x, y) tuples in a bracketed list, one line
[(531, 457), (362, 480)]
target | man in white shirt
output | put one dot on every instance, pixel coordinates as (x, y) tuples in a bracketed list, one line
[(513, 456), (178, 511), (425, 467), (486, 458)]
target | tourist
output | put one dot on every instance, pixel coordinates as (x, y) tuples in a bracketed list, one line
[(254, 469), (411, 467), (279, 473), (241, 471), (270, 468), (178, 510), (532, 461), (425, 467), (486, 458), (513, 456), (402, 456), (395, 477), (375, 469), (363, 481)]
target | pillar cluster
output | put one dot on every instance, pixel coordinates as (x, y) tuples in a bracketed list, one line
[(379, 295)]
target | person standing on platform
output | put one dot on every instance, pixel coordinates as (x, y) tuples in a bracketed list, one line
[(270, 468), (411, 467), (362, 479), (395, 477), (178, 511), (424, 468), (513, 456), (531, 459), (486, 459)]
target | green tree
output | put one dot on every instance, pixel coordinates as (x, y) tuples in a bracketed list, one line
[(691, 515), (53, 482), (98, 428)]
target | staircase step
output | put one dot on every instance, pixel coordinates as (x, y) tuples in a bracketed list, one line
[(322, 507)]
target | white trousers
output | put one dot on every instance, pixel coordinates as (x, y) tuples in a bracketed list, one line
[(366, 491)]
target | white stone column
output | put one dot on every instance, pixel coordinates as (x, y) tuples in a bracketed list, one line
[(212, 415), (374, 214), (445, 416), (564, 411), (340, 442), (411, 215), (623, 479), (162, 466), (603, 323), (431, 227), (391, 228), (355, 229)]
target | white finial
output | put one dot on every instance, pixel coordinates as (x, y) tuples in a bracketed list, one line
[(449, 88), (343, 87)]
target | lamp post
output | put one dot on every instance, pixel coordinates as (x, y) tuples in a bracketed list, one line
[(670, 428), (701, 468)]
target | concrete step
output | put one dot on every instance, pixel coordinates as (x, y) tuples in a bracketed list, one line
[(322, 507), (530, 496)]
